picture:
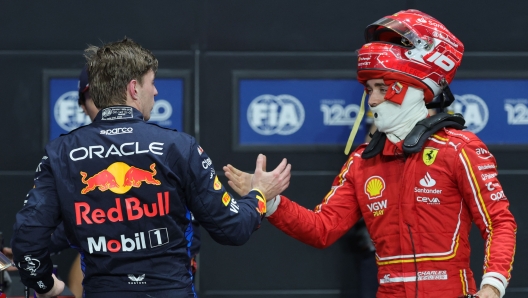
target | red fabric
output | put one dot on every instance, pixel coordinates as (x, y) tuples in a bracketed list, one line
[(410, 208), (390, 77)]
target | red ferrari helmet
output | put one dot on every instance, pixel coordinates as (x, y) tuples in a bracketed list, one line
[(410, 47)]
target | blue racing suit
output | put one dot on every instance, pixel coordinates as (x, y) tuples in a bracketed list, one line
[(125, 190)]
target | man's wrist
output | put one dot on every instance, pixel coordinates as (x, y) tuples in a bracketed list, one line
[(260, 192), (497, 292), (489, 280), (272, 205)]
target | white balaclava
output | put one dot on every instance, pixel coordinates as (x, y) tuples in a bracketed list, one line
[(395, 120)]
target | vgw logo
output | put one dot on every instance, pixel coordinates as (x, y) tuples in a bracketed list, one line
[(269, 114), (474, 110)]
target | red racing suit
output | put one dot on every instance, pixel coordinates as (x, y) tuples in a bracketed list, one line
[(418, 210)]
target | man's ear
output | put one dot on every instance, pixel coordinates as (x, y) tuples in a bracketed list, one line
[(132, 90)]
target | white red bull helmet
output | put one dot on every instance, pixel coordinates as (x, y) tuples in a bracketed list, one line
[(410, 47)]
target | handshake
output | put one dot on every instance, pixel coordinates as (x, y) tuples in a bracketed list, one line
[(270, 184)]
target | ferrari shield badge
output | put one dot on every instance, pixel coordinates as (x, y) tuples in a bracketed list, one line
[(429, 155)]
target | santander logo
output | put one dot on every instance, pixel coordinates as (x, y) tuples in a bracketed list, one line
[(427, 181)]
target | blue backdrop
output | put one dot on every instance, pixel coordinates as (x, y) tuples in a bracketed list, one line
[(65, 113)]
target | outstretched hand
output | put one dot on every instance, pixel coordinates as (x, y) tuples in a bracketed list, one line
[(269, 183)]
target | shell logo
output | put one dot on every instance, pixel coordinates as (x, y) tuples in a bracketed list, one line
[(374, 187)]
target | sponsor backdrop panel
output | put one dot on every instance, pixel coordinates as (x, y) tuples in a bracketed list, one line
[(24, 123), (496, 110), (218, 85), (66, 115), (302, 114)]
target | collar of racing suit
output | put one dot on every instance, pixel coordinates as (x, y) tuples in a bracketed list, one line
[(116, 113)]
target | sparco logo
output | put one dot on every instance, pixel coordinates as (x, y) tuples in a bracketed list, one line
[(269, 114), (117, 131)]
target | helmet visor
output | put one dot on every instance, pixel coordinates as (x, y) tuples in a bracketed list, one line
[(392, 31)]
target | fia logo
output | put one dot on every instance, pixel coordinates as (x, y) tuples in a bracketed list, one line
[(67, 112), (269, 114), (474, 110)]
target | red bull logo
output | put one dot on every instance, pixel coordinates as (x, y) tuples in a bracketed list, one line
[(103, 180), (119, 178), (128, 209)]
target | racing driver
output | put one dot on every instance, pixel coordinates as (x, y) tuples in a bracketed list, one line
[(125, 190), (420, 182)]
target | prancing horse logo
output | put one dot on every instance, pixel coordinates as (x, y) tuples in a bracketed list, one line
[(429, 155)]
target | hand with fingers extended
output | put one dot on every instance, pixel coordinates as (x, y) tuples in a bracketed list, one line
[(239, 181), (269, 183)]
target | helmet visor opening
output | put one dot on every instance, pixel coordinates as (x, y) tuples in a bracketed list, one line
[(392, 31)]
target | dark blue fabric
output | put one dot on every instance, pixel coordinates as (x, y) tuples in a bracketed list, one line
[(124, 189)]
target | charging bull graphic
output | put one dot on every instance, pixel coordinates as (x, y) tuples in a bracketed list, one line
[(134, 176), (119, 178), (103, 180)]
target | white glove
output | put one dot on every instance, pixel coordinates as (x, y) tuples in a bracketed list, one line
[(58, 287)]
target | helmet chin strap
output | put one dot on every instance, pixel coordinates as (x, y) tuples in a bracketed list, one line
[(355, 127), (445, 99)]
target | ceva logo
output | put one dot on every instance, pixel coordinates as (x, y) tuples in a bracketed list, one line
[(474, 110), (269, 114), (68, 114)]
